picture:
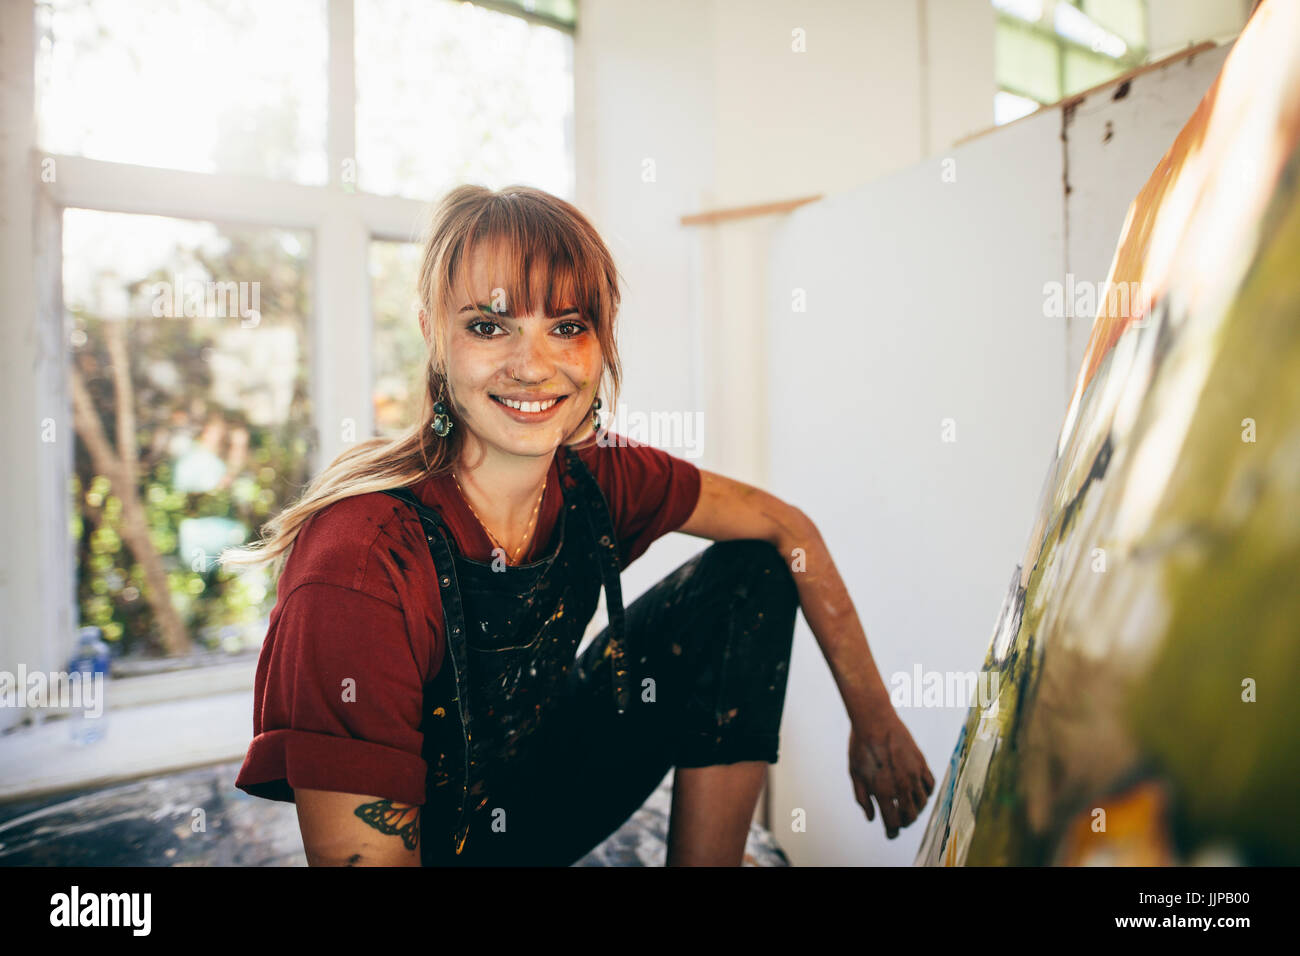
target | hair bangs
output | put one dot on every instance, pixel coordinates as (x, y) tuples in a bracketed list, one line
[(534, 264)]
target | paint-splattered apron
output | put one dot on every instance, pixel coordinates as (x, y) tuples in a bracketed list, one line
[(512, 636)]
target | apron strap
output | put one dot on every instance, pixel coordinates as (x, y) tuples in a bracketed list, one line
[(440, 549), (428, 516), (610, 569)]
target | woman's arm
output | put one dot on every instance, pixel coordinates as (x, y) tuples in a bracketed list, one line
[(883, 758), (348, 829), (730, 509)]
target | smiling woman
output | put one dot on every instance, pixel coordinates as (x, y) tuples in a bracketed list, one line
[(421, 677)]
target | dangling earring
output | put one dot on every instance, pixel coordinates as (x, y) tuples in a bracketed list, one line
[(595, 416), (442, 422)]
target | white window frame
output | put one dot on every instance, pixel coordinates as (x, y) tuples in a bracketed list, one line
[(1131, 60)]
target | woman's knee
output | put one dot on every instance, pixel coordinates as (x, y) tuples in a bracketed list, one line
[(759, 567)]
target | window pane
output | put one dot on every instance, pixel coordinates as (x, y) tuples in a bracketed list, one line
[(449, 92), (1027, 62), (1008, 107), (1127, 18), (232, 86), (1085, 70), (399, 347), (188, 343)]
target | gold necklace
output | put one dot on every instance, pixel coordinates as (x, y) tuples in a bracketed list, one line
[(491, 537)]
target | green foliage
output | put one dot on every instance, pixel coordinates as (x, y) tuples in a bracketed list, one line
[(177, 409)]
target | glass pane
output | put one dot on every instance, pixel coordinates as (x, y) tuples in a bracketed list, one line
[(188, 345), (1127, 18), (1085, 70), (399, 347), (450, 93), (1008, 107), (1031, 11), (1079, 28), (1027, 62), (227, 86)]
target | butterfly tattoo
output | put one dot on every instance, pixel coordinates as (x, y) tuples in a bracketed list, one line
[(401, 819)]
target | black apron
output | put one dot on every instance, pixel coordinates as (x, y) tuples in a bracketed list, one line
[(512, 638)]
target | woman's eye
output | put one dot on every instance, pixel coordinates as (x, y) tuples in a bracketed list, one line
[(567, 330)]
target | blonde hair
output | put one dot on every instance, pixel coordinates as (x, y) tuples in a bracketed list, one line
[(529, 228)]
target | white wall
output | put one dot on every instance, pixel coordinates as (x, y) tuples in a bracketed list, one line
[(815, 98), (1174, 24), (818, 97)]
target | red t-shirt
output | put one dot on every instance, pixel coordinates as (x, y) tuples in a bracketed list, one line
[(358, 599)]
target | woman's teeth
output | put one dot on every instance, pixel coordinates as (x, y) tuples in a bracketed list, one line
[(527, 406)]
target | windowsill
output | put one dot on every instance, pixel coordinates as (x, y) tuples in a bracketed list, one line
[(153, 728), (181, 684)]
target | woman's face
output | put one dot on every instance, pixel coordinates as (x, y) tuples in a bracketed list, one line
[(549, 364)]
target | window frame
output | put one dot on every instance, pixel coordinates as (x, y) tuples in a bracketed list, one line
[(1132, 58)]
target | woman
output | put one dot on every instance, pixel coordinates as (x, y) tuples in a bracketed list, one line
[(417, 694)]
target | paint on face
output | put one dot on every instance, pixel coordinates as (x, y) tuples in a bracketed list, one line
[(494, 354)]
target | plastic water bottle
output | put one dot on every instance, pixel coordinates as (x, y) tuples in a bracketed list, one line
[(89, 660)]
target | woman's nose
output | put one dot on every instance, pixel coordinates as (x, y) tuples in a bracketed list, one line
[(531, 358)]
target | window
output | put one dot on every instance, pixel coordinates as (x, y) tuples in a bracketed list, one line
[(1047, 50), (190, 411), (400, 349), (233, 86), (237, 287), (449, 91)]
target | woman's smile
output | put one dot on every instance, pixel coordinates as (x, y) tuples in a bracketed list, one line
[(527, 410)]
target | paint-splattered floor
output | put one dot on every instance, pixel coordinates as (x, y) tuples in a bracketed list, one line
[(198, 818)]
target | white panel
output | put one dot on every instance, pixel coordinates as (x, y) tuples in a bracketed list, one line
[(924, 302)]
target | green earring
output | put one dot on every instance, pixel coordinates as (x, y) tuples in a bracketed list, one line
[(595, 416), (441, 420)]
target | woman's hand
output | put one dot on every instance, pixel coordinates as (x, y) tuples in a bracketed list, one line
[(884, 763)]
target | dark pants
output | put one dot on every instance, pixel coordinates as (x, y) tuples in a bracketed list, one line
[(708, 654)]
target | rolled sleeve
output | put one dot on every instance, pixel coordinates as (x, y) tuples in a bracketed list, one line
[(337, 700), (288, 760)]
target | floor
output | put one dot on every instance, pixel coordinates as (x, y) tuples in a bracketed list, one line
[(197, 817)]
